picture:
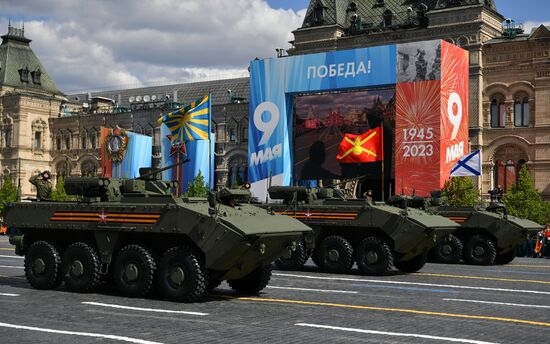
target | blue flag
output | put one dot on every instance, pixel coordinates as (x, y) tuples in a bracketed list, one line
[(467, 166), (189, 123)]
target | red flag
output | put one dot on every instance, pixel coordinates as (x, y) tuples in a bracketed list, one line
[(367, 147)]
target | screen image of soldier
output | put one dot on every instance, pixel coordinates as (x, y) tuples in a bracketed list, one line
[(43, 185)]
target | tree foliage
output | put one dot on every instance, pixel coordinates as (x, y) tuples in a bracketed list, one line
[(525, 201), (8, 193), (197, 188), (461, 191), (59, 193)]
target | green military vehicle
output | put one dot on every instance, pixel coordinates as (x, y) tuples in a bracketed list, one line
[(348, 231), (487, 235), (135, 233)]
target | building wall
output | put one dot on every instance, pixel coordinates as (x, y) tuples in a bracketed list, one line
[(520, 66), (230, 122), (516, 71), (26, 116)]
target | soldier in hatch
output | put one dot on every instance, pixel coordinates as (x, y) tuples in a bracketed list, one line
[(43, 185)]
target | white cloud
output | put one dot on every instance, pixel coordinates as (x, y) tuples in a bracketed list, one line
[(528, 26), (112, 44)]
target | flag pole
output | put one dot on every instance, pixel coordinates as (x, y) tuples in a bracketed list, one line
[(382, 141)]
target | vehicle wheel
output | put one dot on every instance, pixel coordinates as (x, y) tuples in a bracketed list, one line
[(335, 254), (296, 261), (181, 277), (134, 270), (81, 266), (480, 250), (374, 256), (412, 265), (448, 252), (43, 265), (252, 283), (506, 258)]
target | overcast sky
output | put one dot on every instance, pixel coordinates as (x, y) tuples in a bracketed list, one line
[(106, 44)]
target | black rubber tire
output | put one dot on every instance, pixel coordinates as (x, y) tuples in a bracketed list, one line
[(296, 261), (479, 250), (194, 278), (412, 265), (139, 259), (448, 252), (506, 258), (252, 283), (43, 265), (84, 257), (380, 254), (342, 252)]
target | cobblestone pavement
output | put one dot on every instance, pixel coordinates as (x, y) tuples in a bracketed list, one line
[(443, 303)]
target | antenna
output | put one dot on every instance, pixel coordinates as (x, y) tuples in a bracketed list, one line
[(268, 187), (19, 180)]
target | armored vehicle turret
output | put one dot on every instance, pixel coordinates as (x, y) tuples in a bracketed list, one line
[(376, 236), (137, 233), (487, 235)]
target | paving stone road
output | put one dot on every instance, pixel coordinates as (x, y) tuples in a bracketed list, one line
[(441, 304)]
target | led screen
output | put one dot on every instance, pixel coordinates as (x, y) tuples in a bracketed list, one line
[(322, 120)]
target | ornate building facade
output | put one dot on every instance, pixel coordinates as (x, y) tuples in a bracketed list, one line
[(509, 70), (29, 100), (75, 133)]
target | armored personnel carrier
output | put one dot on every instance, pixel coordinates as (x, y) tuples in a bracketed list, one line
[(487, 235), (348, 231), (137, 234)]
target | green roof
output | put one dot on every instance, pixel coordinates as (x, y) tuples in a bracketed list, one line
[(335, 12), (19, 66)]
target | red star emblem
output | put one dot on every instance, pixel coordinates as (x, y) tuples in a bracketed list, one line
[(177, 148), (102, 216)]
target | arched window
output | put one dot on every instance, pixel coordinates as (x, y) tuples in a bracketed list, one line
[(84, 139), (93, 139), (388, 18), (318, 13), (238, 173), (88, 169), (244, 134), (506, 173), (521, 112), (498, 114), (7, 137), (232, 135)]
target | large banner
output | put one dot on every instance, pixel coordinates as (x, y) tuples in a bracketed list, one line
[(430, 79), (200, 160), (272, 83), (123, 152), (431, 129)]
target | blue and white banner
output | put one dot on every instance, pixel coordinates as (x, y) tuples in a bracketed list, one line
[(197, 153), (468, 166), (272, 83), (138, 154)]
